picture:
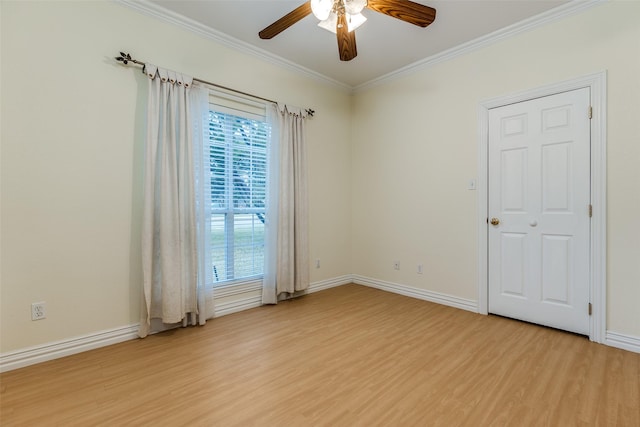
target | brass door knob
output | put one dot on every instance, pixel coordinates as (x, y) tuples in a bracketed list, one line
[(495, 221)]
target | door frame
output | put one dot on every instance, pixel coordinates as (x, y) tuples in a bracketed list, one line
[(598, 272)]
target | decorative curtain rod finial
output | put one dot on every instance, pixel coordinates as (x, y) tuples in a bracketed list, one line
[(310, 112), (125, 58)]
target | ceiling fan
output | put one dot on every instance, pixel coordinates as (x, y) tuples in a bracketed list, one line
[(343, 17)]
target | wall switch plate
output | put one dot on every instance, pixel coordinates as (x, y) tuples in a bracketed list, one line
[(396, 265), (471, 185), (419, 269)]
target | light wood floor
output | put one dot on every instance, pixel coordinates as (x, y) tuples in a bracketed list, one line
[(348, 356)]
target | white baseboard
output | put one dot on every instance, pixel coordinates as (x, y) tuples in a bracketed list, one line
[(329, 283), (55, 350), (37, 354), (256, 301), (42, 353), (423, 294), (625, 342), (225, 308), (237, 289)]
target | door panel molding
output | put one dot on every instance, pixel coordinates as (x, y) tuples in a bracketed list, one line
[(552, 182), (597, 276)]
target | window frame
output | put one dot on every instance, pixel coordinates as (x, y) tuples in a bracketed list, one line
[(231, 105)]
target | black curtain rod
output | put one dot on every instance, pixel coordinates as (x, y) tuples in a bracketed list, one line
[(125, 58)]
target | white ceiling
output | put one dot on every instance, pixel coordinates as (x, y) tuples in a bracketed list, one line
[(384, 44)]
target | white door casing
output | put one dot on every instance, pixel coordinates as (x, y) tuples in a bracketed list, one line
[(539, 196), (597, 274)]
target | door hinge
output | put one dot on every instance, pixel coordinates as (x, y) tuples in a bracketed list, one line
[(590, 211), (590, 309), (590, 112)]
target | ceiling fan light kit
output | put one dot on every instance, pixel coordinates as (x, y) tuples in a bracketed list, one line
[(354, 7), (322, 8), (331, 23), (327, 11), (343, 16)]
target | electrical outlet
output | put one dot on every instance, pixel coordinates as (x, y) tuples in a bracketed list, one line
[(38, 311), (396, 265), (318, 263), (419, 268)]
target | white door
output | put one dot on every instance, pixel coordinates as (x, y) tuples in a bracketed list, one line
[(539, 222)]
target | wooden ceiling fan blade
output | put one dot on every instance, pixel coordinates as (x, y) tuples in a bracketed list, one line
[(346, 40), (405, 10), (286, 21)]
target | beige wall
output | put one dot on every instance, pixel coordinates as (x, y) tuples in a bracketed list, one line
[(72, 129), (416, 147)]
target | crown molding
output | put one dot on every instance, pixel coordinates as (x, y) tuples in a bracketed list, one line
[(155, 11), (563, 11), (158, 12)]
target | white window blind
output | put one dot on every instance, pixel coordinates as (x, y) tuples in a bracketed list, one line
[(237, 146)]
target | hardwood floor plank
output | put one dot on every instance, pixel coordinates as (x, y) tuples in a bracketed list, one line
[(347, 356)]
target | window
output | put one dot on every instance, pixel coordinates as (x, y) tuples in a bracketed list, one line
[(237, 147)]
